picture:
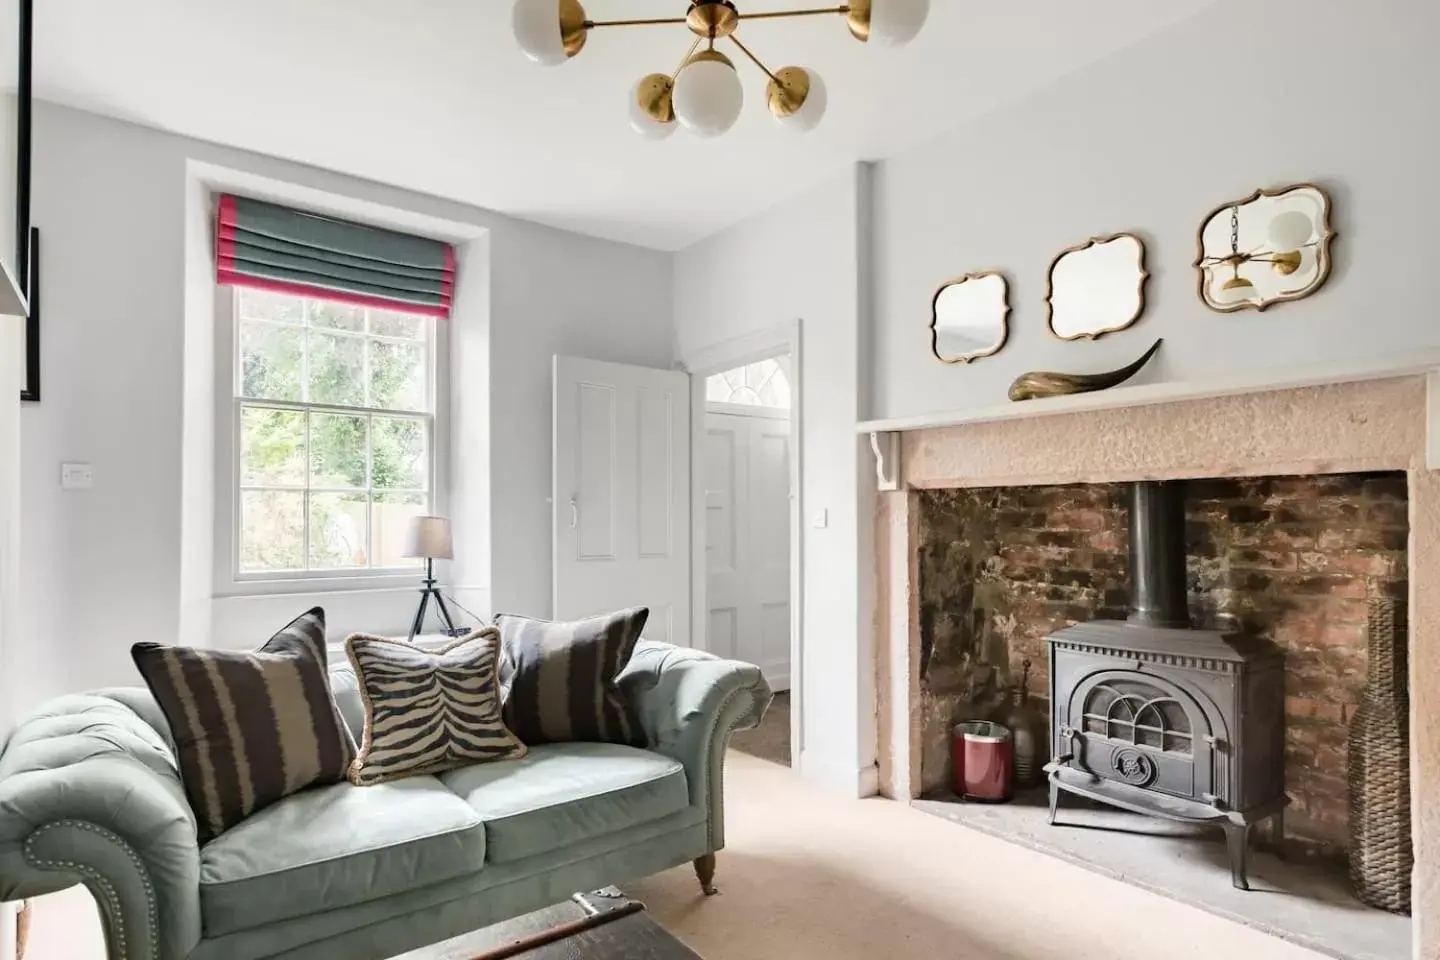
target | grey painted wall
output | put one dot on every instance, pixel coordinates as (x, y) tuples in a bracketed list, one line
[(804, 260), (1148, 141), (1244, 95), (101, 568)]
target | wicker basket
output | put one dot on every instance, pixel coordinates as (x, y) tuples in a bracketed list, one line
[(1381, 855)]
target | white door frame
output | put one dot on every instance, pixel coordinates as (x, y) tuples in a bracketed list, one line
[(779, 340)]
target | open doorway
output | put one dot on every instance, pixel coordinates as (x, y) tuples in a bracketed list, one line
[(744, 456)]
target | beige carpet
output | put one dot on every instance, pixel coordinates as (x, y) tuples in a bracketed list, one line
[(771, 739), (808, 876)]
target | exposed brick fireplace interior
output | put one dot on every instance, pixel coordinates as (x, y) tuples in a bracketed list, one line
[(1292, 559)]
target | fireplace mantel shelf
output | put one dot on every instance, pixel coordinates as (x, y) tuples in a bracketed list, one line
[(1413, 363), (885, 434)]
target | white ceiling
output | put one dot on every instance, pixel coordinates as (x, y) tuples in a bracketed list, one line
[(432, 95)]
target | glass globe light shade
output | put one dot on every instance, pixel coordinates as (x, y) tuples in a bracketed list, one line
[(896, 22), (653, 92), (1235, 290), (1291, 230), (708, 95), (811, 112), (539, 27), (1297, 267), (1309, 263)]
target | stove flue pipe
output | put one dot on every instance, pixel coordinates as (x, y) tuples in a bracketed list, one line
[(1158, 597)]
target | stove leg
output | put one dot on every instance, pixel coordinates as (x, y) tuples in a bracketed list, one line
[(1237, 837), (1054, 801), (1277, 832)]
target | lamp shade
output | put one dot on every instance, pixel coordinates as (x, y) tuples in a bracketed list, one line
[(896, 22), (1235, 290), (429, 537), (1291, 230), (547, 30), (708, 96), (649, 99), (811, 111)]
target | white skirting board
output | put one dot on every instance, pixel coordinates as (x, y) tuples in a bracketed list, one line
[(8, 914), (839, 777)]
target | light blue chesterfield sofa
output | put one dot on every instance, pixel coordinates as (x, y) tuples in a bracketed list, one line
[(90, 793)]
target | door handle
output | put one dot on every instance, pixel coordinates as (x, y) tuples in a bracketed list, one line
[(574, 514)]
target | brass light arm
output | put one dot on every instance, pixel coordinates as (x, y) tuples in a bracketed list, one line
[(754, 59), (686, 59), (592, 24), (781, 14), (770, 15)]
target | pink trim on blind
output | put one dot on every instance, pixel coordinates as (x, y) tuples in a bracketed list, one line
[(447, 287), (224, 275)]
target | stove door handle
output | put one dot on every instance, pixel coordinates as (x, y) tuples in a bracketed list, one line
[(1076, 756)]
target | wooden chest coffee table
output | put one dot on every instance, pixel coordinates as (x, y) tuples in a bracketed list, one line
[(605, 925)]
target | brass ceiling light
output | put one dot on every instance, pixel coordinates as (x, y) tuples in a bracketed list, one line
[(704, 93)]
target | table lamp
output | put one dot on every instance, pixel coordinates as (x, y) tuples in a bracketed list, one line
[(429, 537)]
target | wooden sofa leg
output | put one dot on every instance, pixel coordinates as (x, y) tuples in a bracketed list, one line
[(705, 870), (22, 930)]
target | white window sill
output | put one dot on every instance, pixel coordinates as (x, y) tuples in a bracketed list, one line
[(407, 581)]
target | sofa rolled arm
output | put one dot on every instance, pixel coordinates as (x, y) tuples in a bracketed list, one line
[(689, 703), (90, 794)]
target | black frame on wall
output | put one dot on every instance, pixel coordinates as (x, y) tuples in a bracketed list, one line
[(27, 237)]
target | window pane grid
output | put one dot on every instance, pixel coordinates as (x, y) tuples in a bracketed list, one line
[(332, 331), (400, 496), (412, 393), (341, 440), (378, 491)]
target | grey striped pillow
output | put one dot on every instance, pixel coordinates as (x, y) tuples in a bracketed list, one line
[(427, 711), (559, 678), (249, 728)]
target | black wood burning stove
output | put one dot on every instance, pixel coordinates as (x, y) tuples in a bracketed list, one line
[(1152, 716)]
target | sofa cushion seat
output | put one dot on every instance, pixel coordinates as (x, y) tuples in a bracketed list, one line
[(337, 846), (566, 793)]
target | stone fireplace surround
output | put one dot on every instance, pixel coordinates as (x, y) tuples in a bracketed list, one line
[(1375, 425)]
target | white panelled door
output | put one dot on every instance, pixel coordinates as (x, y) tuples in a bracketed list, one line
[(622, 493), (747, 537)]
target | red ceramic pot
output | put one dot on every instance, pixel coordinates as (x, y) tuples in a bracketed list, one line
[(983, 754)]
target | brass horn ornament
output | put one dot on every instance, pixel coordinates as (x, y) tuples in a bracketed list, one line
[(1044, 383)]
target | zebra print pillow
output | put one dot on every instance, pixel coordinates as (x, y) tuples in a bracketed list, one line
[(427, 711)]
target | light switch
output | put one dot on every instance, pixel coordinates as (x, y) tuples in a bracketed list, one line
[(822, 519), (76, 476)]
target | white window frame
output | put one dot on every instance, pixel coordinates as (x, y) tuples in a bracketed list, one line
[(230, 580)]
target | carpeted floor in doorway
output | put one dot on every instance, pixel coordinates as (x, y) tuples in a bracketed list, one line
[(771, 740)]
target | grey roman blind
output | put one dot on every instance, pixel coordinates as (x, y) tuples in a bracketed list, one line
[(271, 247)]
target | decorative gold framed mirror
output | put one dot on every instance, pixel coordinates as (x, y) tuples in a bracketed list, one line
[(1270, 247), (969, 317), (1096, 287)]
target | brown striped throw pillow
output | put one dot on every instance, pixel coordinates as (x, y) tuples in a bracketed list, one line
[(558, 679), (249, 728)]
